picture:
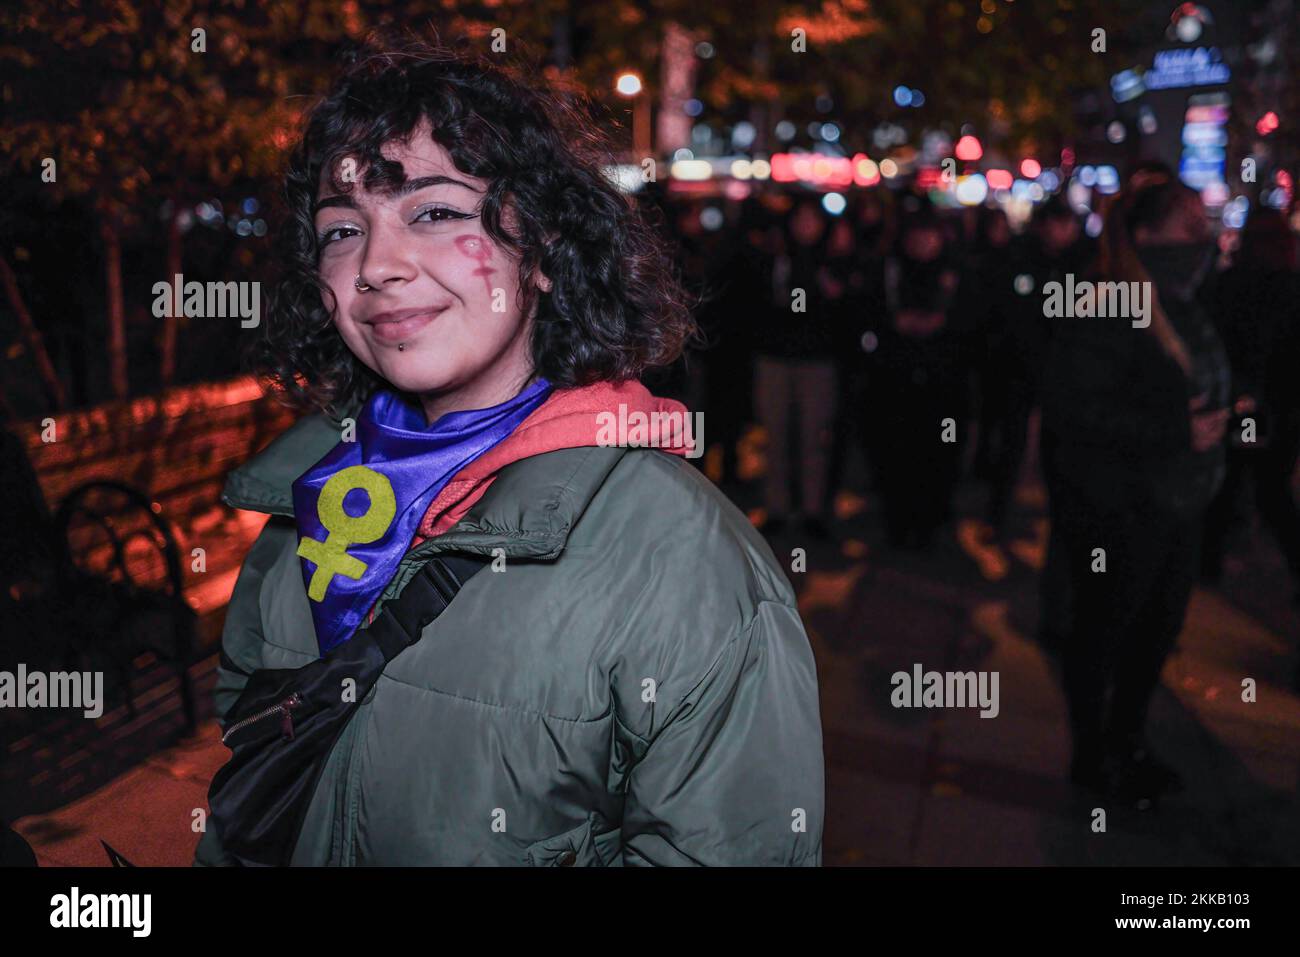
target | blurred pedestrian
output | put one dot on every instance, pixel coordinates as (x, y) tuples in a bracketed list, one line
[(1257, 305), (851, 260), (1141, 412), (795, 374), (1015, 337), (735, 294), (916, 392)]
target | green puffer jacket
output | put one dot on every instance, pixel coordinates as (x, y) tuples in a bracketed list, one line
[(634, 688)]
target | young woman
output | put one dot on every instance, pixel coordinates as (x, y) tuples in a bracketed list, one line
[(1138, 414), (467, 307)]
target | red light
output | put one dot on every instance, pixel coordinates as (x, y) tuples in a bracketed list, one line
[(999, 178), (1267, 123), (1030, 169), (831, 170), (783, 168), (968, 149), (841, 172), (809, 168)]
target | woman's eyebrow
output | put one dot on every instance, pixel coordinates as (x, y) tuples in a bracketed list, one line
[(346, 201)]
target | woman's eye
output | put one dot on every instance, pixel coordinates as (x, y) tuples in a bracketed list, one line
[(333, 234), (438, 214), (433, 214)]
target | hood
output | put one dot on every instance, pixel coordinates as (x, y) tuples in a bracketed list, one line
[(570, 418)]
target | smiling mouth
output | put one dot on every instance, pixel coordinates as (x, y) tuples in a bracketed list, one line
[(400, 325)]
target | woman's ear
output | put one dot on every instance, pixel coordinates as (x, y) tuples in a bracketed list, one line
[(540, 279)]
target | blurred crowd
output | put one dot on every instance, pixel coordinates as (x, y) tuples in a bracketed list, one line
[(920, 337)]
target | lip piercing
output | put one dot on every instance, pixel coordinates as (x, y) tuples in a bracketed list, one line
[(401, 346)]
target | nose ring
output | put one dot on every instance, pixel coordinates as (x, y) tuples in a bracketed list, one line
[(361, 286)]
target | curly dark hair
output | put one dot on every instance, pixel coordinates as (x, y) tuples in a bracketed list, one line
[(616, 306)]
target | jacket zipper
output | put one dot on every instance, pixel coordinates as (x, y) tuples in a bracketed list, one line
[(284, 708)]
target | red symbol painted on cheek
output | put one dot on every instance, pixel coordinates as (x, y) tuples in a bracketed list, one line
[(475, 248)]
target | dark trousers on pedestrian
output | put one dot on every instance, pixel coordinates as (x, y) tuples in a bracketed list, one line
[(796, 395), (1004, 437), (1125, 620), (915, 472), (848, 430)]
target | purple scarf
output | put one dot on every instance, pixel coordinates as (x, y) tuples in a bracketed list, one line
[(358, 508)]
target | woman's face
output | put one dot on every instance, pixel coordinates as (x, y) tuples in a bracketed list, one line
[(441, 318)]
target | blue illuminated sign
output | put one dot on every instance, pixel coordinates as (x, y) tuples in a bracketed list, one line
[(1174, 69)]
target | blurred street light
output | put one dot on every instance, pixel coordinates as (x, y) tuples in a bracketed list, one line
[(629, 85)]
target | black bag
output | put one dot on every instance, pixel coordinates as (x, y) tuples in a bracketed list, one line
[(286, 721)]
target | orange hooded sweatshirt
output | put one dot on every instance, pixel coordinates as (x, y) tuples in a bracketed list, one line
[(570, 418)]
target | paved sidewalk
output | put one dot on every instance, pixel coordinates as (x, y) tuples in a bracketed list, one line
[(147, 813), (947, 787)]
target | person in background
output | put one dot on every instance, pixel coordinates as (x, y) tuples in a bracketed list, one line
[(876, 225), (795, 374), (1015, 336), (916, 368), (732, 298), (844, 280), (1257, 306), (984, 265), (1144, 410)]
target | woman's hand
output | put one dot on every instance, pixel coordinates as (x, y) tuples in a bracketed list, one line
[(1208, 427)]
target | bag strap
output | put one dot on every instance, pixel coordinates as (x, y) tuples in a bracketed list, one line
[(403, 619)]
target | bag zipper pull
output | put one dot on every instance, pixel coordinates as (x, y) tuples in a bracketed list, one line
[(287, 706)]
